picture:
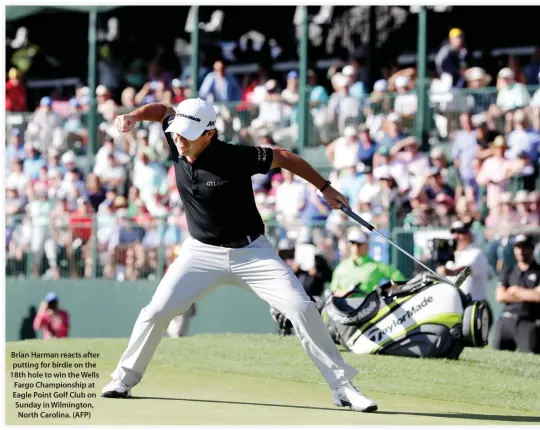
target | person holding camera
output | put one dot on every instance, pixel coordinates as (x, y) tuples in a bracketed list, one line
[(467, 253), (519, 290), (52, 321)]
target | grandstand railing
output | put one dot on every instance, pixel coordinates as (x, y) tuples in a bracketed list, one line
[(80, 249)]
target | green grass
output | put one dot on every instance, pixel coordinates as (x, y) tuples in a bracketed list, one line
[(264, 379)]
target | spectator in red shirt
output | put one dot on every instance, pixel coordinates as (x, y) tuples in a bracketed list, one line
[(52, 321), (80, 228), (15, 93)]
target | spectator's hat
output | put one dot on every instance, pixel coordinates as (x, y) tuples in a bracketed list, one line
[(506, 198), (455, 32), (460, 227), (524, 241), (521, 196), (11, 187), (176, 83), (348, 71), (101, 90), (120, 201), (293, 74), (45, 101), (270, 85), (13, 73), (349, 131), (68, 157), (385, 175), (51, 297), (380, 86), (499, 142), (363, 128), (437, 153), (393, 117), (402, 81), (506, 73), (356, 236), (478, 74), (53, 152), (193, 118), (15, 132), (533, 197), (74, 102), (479, 120)]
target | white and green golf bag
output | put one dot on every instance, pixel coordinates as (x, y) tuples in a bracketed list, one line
[(422, 317)]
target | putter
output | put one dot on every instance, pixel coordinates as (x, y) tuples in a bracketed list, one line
[(460, 278)]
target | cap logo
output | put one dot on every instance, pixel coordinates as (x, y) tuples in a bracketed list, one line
[(211, 124), (188, 117)]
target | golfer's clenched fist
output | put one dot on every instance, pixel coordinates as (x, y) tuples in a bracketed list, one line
[(125, 123)]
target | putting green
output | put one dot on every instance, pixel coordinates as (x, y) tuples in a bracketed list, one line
[(267, 380)]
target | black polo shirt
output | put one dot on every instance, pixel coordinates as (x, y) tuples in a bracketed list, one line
[(217, 192), (528, 279)]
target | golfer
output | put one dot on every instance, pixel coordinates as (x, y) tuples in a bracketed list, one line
[(227, 245)]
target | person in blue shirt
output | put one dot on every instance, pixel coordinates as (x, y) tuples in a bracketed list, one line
[(218, 86), (33, 162), (367, 147), (14, 150)]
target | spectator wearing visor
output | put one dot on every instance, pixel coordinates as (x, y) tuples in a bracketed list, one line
[(519, 290), (52, 321), (360, 271)]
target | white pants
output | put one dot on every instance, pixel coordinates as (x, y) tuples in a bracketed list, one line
[(201, 268)]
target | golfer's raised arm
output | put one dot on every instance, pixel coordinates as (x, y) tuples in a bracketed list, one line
[(154, 112)]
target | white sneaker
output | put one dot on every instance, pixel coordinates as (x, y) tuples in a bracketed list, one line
[(116, 389), (348, 395)]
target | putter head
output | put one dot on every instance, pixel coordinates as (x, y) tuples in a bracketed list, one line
[(460, 278)]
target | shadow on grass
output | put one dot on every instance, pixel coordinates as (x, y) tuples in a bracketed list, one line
[(456, 415)]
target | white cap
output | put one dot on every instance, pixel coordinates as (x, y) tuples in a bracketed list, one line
[(506, 73), (101, 90), (349, 131), (348, 71), (356, 236), (393, 117), (402, 81), (380, 86), (193, 117), (68, 157)]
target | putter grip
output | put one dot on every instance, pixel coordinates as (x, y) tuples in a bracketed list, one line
[(357, 218)]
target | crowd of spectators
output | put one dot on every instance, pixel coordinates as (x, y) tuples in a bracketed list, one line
[(64, 206)]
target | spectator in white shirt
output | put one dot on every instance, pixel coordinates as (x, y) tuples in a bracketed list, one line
[(148, 176), (415, 163), (111, 174), (342, 107), (512, 95), (290, 199), (344, 150), (406, 103)]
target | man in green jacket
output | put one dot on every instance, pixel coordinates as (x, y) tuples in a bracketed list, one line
[(360, 269)]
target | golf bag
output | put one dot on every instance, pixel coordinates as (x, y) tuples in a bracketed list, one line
[(422, 317)]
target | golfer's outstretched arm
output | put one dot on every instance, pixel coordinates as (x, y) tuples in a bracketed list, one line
[(292, 162)]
